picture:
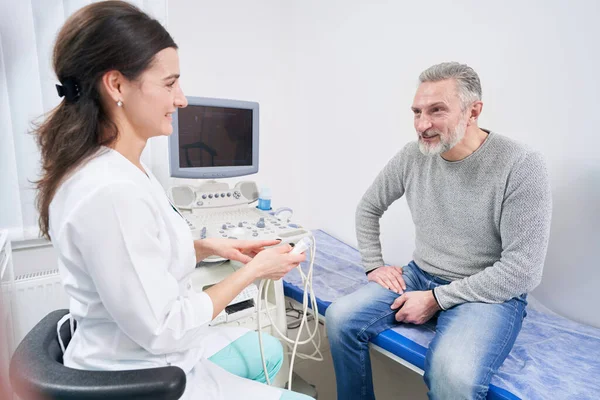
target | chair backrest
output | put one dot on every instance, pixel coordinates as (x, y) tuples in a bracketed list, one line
[(37, 372), (39, 350)]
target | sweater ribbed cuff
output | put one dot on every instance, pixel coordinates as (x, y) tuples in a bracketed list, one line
[(371, 270), (436, 300)]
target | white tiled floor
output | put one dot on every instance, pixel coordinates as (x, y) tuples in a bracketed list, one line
[(391, 380)]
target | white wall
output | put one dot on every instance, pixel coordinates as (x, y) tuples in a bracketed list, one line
[(335, 82), (236, 50)]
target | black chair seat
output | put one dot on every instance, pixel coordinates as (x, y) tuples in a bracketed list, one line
[(37, 371)]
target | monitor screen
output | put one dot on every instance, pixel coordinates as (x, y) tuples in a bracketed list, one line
[(214, 138)]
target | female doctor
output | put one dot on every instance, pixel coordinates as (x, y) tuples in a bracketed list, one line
[(125, 253)]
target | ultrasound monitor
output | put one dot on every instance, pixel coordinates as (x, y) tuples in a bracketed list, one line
[(214, 138)]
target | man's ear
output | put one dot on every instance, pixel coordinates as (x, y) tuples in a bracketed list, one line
[(476, 109)]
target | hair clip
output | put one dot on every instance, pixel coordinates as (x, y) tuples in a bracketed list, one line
[(69, 89)]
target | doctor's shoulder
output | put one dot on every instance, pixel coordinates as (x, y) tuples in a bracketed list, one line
[(99, 177), (103, 168)]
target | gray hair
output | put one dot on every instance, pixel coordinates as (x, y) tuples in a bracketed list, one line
[(467, 80)]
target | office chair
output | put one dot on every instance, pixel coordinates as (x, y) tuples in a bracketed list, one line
[(37, 372)]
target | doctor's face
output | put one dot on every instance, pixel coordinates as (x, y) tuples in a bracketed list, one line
[(440, 121), (155, 96)]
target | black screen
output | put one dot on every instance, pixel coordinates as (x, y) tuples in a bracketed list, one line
[(214, 137)]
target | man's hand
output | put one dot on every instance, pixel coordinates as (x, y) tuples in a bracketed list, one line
[(415, 307), (388, 277)]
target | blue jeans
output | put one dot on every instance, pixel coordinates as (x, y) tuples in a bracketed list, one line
[(242, 358), (472, 339)]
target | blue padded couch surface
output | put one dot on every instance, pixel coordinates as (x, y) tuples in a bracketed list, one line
[(553, 357)]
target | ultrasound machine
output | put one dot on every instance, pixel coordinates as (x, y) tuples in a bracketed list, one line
[(218, 138)]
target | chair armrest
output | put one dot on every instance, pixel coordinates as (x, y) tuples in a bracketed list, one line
[(73, 384)]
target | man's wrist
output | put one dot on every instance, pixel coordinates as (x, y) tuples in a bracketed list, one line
[(437, 302), (371, 270)]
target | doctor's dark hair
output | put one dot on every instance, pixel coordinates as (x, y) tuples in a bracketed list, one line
[(100, 37)]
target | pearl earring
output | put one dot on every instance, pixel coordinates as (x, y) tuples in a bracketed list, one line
[(119, 103)]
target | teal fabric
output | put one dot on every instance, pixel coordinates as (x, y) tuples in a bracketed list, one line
[(242, 358), (287, 395)]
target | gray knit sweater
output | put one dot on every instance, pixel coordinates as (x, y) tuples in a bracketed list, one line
[(482, 222)]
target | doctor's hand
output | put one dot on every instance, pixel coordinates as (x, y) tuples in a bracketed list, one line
[(415, 307), (388, 277), (236, 250), (275, 262)]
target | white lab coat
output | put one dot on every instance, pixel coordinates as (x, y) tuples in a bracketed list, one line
[(125, 256)]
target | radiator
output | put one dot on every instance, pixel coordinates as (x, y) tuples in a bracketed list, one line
[(35, 295)]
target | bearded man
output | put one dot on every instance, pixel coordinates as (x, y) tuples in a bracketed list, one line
[(481, 207)]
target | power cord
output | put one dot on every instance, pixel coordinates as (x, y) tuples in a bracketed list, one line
[(309, 295), (296, 314)]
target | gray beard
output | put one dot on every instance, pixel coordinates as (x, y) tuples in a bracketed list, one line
[(445, 144)]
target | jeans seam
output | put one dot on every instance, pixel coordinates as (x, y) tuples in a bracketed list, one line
[(512, 325), (363, 372)]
